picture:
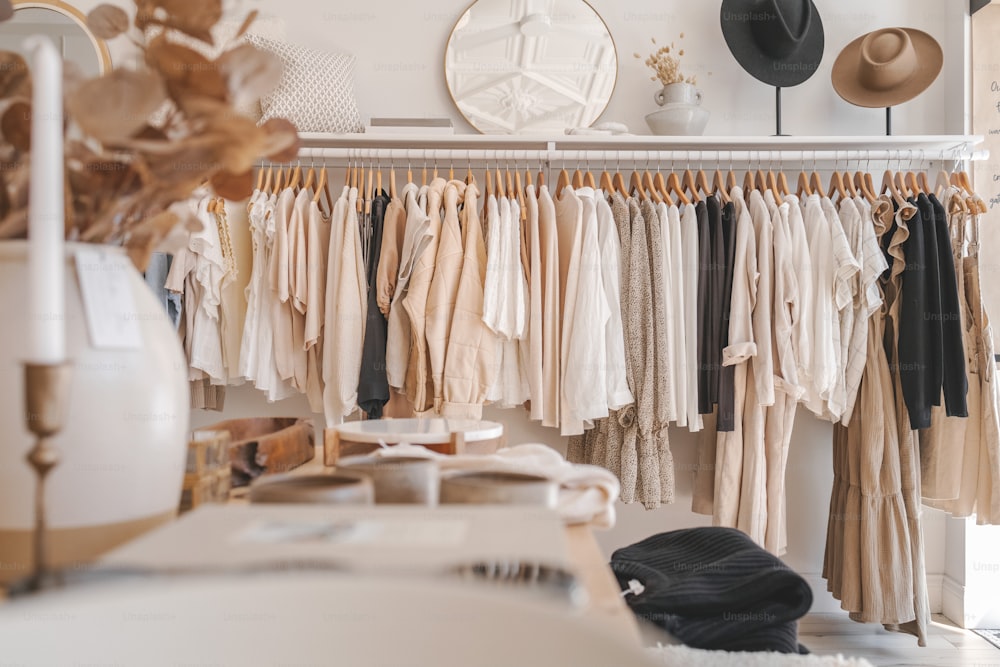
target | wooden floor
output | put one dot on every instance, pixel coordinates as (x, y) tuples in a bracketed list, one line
[(947, 645)]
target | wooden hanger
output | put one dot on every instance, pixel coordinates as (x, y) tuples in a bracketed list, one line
[(577, 179), (899, 178), (942, 184), (864, 186), (527, 178), (803, 187), (392, 182), (588, 180), (489, 183), (323, 190), (674, 186), (522, 207), (749, 183), (541, 178), (731, 181), (849, 185), (320, 186), (470, 178), (922, 183), (295, 179), (761, 180), (268, 179), (563, 181), (310, 178), (260, 178), (772, 185), (501, 190), (606, 183), (423, 176), (650, 187), (701, 182), (816, 182), (510, 191), (719, 185), (279, 180), (618, 180), (889, 185), (688, 184), (661, 188), (783, 184), (635, 186), (836, 185)]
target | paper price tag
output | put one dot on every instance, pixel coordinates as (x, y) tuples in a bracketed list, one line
[(108, 302)]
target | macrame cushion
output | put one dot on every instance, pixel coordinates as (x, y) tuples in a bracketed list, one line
[(316, 91)]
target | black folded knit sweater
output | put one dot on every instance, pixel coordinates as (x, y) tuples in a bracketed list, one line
[(714, 588)]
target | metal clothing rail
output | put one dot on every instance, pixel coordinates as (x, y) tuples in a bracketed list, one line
[(476, 150), (346, 156)]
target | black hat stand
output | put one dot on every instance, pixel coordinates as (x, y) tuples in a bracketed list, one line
[(777, 111)]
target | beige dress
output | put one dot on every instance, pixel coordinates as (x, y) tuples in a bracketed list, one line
[(874, 556)]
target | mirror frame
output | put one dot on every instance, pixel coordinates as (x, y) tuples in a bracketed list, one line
[(78, 17), (473, 3)]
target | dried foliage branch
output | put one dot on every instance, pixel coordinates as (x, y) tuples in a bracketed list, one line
[(666, 64), (139, 140)]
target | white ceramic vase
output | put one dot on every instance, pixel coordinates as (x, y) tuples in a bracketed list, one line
[(681, 114), (123, 449)]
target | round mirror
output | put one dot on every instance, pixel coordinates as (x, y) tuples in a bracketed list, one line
[(62, 23), (533, 66)]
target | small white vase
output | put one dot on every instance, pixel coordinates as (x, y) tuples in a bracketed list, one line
[(124, 445), (681, 114)]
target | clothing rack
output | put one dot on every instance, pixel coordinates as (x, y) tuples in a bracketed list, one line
[(341, 150)]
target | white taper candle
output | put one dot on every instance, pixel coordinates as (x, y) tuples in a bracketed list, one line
[(46, 215)]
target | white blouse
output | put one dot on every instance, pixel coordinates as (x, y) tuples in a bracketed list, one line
[(689, 360)]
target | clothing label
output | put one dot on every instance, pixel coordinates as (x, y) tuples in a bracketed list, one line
[(436, 533), (108, 302)]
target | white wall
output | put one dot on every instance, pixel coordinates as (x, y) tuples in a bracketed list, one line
[(400, 47)]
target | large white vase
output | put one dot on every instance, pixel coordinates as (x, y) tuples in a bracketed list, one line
[(123, 449)]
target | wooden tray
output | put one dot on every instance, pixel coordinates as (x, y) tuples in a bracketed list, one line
[(267, 445)]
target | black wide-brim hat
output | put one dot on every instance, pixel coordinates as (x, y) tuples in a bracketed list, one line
[(779, 42)]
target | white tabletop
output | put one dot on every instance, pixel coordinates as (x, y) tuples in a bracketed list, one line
[(418, 431)]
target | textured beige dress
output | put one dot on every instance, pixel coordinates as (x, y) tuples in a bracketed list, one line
[(874, 556)]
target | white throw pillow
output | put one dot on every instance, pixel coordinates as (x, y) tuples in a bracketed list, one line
[(316, 91)]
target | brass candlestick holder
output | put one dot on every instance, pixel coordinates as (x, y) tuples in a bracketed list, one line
[(46, 392)]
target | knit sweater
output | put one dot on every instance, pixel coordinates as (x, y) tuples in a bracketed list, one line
[(714, 588)]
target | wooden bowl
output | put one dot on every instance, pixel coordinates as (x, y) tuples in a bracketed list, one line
[(499, 488), (344, 488), (407, 480)]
